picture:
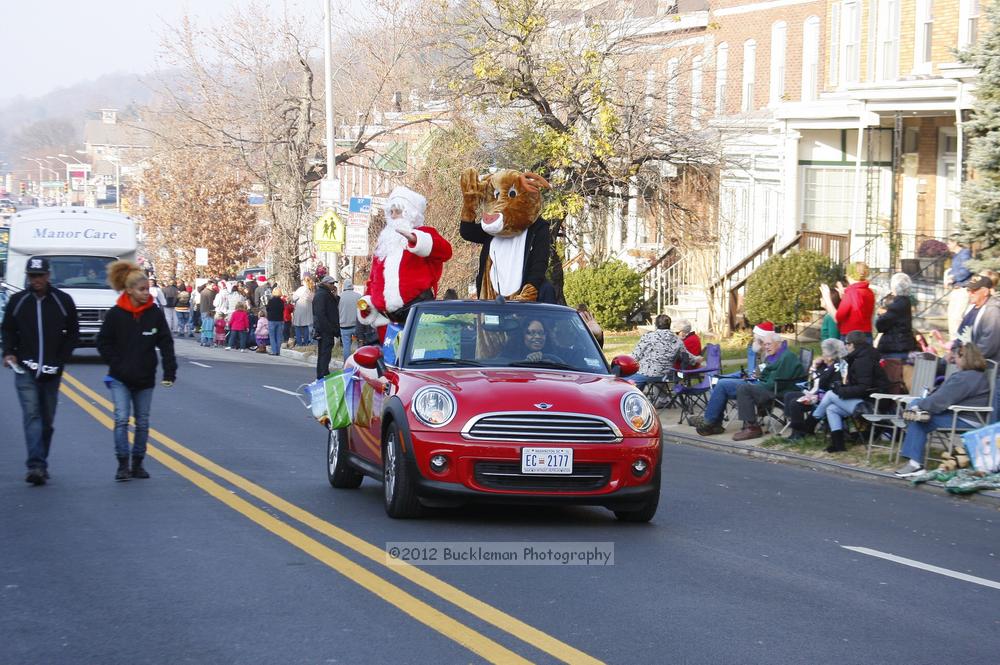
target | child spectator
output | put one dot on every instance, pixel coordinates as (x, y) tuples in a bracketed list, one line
[(287, 328), (220, 330), (207, 325), (260, 332), (239, 327)]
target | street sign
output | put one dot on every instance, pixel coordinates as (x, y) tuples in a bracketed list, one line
[(328, 232), (359, 212), (201, 256), (329, 192), (357, 241)]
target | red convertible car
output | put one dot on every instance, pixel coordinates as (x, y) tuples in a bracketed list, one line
[(494, 401)]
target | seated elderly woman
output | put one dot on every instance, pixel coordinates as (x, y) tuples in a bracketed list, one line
[(864, 377), (780, 370), (968, 387), (824, 375)]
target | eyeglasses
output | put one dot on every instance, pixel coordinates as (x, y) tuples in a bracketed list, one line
[(535, 333)]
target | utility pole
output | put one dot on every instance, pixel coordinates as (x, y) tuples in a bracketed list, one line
[(330, 188)]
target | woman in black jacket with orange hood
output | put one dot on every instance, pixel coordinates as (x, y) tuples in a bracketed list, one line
[(132, 331)]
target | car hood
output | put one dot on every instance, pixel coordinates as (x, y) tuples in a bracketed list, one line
[(487, 390)]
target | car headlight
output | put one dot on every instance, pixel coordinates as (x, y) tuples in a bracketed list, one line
[(433, 406), (637, 412)]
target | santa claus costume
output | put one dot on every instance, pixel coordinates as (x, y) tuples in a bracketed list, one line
[(407, 262)]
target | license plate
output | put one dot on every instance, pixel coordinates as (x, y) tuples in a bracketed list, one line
[(547, 460)]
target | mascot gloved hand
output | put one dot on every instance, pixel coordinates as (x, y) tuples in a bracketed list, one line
[(516, 242), (407, 262)]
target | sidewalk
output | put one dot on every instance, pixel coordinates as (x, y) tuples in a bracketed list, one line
[(809, 454)]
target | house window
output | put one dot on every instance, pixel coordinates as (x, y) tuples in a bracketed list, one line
[(826, 198), (721, 75), (833, 71), (887, 30), (850, 48), (779, 41), (810, 58), (923, 37), (968, 23), (749, 75), (696, 85), (672, 66)]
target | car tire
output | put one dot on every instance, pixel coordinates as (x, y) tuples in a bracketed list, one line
[(338, 470), (646, 512), (399, 490)]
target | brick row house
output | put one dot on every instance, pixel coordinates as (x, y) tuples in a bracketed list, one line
[(839, 126)]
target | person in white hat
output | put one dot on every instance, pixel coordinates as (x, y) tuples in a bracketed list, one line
[(407, 263)]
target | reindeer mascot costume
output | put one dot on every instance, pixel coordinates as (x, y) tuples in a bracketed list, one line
[(515, 241)]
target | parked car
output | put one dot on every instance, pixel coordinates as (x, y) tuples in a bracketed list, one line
[(7, 208), (498, 402)]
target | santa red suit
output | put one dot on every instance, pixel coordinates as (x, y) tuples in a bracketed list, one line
[(407, 262)]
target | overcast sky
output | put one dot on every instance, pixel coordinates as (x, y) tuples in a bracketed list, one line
[(54, 43)]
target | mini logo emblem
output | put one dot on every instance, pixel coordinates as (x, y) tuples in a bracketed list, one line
[(35, 263), (543, 406)]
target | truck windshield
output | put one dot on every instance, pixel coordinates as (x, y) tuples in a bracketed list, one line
[(79, 272)]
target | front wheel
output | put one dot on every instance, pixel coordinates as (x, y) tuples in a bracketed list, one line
[(400, 491), (338, 471)]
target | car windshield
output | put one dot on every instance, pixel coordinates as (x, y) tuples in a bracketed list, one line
[(473, 334), (79, 272)]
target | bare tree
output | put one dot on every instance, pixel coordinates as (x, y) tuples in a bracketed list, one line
[(251, 90), (586, 101)]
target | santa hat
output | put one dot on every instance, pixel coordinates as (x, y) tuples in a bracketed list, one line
[(763, 328), (414, 204)]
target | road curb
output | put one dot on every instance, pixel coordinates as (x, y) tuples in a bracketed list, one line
[(991, 499)]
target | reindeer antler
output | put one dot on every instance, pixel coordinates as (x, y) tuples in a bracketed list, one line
[(532, 182)]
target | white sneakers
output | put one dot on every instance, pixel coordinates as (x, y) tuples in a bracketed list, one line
[(911, 468)]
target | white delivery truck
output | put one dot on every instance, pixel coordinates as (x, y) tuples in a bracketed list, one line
[(79, 244)]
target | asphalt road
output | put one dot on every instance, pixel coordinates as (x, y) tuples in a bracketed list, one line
[(238, 551)]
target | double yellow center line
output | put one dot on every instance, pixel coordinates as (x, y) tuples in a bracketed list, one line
[(478, 643)]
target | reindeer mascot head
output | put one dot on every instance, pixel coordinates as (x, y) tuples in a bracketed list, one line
[(515, 241)]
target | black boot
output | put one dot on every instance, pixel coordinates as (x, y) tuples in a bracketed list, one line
[(808, 425), (122, 473), (836, 442), (137, 470)]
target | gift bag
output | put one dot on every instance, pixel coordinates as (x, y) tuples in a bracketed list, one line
[(366, 406), (328, 398), (983, 447)]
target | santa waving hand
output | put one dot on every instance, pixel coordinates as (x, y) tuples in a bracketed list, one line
[(407, 264)]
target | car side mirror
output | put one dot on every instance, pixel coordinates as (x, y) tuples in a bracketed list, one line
[(370, 357), (624, 365)]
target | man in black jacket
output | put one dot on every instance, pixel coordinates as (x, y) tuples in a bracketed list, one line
[(326, 321), (40, 331)]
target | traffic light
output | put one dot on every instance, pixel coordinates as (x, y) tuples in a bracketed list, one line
[(24, 188), (66, 187)]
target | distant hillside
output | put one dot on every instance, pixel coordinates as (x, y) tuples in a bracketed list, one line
[(72, 106)]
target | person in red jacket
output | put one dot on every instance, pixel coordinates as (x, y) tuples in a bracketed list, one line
[(857, 302), (239, 328), (690, 338)]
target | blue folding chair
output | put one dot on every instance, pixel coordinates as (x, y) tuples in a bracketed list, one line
[(694, 385)]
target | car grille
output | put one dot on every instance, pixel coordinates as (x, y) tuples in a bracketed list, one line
[(91, 315), (508, 476), (542, 428)]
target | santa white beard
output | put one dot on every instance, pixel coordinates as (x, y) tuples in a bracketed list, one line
[(389, 241)]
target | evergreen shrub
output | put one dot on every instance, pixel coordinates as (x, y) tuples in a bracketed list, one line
[(611, 290), (782, 282)]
